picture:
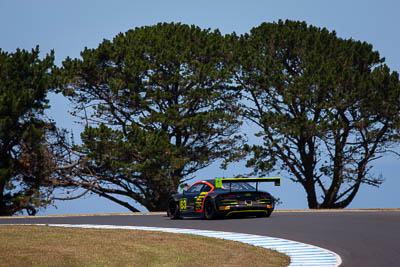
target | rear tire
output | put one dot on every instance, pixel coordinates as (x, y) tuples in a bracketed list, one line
[(173, 211), (269, 213), (209, 211)]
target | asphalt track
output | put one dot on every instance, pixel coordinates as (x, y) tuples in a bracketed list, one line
[(361, 238)]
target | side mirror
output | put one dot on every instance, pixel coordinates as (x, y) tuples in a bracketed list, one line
[(183, 189)]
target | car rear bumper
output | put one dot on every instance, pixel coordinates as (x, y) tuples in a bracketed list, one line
[(245, 210)]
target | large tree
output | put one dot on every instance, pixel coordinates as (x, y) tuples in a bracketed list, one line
[(158, 106), (326, 108), (25, 162)]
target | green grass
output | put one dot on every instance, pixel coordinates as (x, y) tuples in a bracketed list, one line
[(53, 246)]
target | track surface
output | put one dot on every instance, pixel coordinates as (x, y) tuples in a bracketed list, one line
[(360, 238)]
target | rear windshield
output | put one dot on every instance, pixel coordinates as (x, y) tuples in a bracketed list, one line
[(237, 186)]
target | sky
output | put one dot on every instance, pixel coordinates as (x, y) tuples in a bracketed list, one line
[(68, 26)]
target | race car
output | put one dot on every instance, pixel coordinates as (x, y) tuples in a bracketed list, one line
[(223, 197)]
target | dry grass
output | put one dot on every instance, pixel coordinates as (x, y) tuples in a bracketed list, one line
[(53, 246)]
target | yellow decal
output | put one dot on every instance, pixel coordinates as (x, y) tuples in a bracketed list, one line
[(199, 201), (183, 204)]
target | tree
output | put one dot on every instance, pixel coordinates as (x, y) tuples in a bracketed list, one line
[(158, 106), (327, 108), (25, 165)]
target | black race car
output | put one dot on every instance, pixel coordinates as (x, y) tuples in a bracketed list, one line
[(223, 197)]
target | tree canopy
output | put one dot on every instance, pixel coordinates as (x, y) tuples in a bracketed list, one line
[(161, 102), (326, 108), (24, 160), (159, 106)]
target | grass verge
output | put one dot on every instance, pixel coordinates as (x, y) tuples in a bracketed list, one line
[(53, 246)]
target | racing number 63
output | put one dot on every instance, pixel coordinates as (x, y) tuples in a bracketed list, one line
[(182, 204)]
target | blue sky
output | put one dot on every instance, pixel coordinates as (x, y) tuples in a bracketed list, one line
[(67, 26)]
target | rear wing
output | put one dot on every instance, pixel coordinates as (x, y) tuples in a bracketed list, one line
[(275, 180)]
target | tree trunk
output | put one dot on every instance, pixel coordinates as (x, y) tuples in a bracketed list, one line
[(311, 196)]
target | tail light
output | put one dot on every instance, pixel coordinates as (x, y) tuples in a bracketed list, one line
[(230, 196), (265, 195)]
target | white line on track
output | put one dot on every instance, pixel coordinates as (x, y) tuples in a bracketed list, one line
[(300, 254)]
